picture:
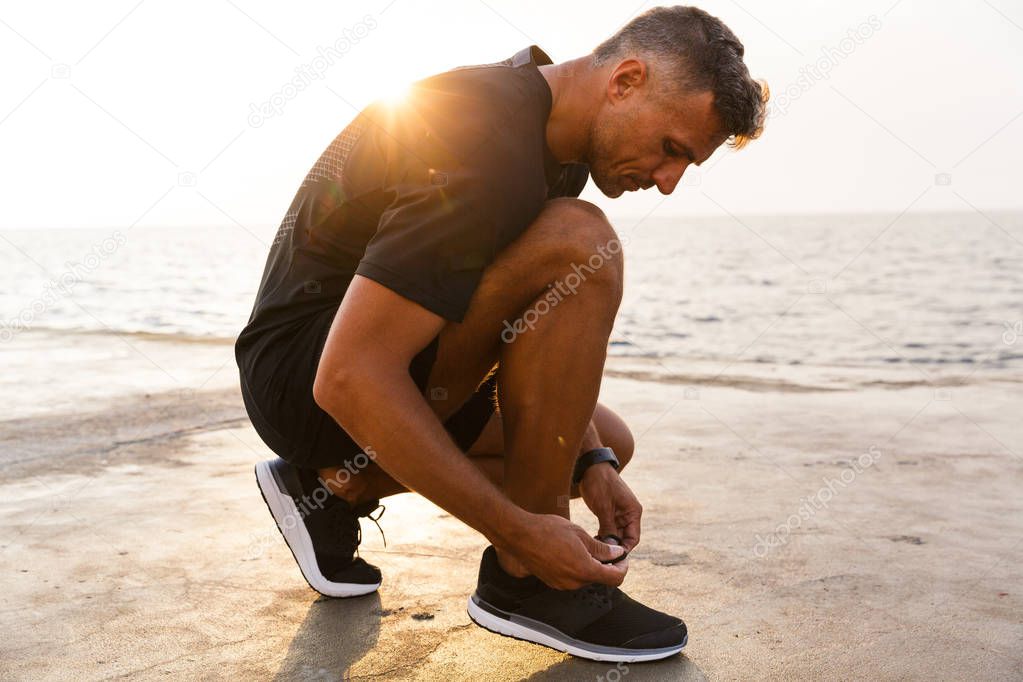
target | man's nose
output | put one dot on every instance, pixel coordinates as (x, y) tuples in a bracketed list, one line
[(668, 174)]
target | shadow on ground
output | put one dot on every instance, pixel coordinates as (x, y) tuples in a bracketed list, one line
[(335, 634)]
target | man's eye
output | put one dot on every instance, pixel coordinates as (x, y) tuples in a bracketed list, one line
[(668, 149)]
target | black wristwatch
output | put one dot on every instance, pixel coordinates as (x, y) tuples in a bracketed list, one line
[(588, 459)]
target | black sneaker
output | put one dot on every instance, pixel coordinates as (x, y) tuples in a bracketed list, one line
[(322, 530), (596, 621)]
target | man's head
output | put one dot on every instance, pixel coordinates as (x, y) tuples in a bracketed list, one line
[(675, 89)]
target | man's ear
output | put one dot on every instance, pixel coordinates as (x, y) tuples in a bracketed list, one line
[(625, 78)]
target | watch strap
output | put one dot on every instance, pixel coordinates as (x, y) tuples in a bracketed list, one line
[(591, 457)]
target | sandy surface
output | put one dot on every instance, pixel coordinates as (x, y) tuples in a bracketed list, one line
[(133, 541)]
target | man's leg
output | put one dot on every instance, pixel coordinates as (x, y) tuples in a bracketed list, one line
[(550, 375)]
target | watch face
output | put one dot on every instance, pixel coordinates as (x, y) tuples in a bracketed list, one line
[(605, 455)]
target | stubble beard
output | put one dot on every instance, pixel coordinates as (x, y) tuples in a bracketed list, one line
[(600, 166)]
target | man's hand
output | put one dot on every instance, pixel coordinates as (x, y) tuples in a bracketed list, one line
[(564, 556), (612, 502)]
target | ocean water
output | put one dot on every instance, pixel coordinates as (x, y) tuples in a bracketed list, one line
[(860, 291)]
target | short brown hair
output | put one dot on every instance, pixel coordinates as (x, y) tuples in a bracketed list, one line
[(705, 56)]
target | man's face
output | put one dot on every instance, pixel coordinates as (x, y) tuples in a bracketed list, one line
[(640, 141)]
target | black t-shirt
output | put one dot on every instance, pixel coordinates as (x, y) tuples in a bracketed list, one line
[(419, 196)]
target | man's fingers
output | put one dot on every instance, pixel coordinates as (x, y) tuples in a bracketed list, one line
[(602, 551), (606, 519), (630, 534), (609, 574)]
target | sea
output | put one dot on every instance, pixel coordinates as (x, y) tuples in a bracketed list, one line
[(870, 290)]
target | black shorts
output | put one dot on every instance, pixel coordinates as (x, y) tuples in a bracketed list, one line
[(277, 388)]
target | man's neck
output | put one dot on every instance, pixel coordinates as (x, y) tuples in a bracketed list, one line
[(572, 111)]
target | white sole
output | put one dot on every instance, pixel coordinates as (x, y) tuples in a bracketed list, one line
[(509, 628), (289, 522)]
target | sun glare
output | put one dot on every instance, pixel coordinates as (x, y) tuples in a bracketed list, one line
[(395, 93)]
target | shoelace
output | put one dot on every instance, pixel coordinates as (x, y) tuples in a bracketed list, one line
[(347, 529), (376, 520)]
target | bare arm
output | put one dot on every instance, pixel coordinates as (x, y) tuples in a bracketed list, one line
[(363, 383), (608, 497)]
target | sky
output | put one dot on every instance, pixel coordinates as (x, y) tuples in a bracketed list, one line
[(159, 113)]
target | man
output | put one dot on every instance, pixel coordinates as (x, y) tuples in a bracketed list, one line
[(435, 263)]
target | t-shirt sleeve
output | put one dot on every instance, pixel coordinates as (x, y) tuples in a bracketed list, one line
[(464, 178)]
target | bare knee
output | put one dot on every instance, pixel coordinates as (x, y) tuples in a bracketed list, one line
[(624, 447), (574, 208), (581, 225), (583, 245), (614, 433)]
